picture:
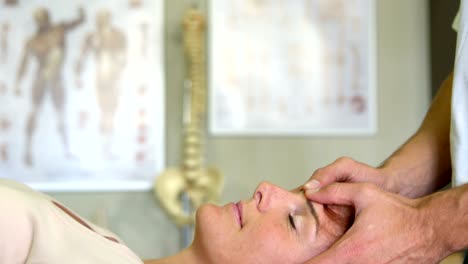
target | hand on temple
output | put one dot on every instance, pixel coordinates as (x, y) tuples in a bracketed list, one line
[(383, 221)]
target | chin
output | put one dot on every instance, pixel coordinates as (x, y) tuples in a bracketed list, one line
[(208, 233), (206, 219), (205, 212)]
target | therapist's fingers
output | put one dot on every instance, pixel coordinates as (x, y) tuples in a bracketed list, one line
[(351, 194), (353, 246), (388, 228), (344, 170)]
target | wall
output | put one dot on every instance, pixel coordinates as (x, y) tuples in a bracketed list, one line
[(403, 97)]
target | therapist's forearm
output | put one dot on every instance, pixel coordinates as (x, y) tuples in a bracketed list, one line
[(422, 165), (447, 214)]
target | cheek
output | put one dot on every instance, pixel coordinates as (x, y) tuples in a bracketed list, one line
[(264, 241), (272, 244)]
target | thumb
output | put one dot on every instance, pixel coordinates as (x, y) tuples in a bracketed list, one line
[(351, 194), (339, 171)]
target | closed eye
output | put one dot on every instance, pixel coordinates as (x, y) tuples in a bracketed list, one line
[(291, 221)]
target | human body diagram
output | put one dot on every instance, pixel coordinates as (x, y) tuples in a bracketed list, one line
[(108, 47), (71, 107), (47, 47), (291, 66)]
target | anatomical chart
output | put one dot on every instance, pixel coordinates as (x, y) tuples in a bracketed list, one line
[(81, 93), (303, 67)]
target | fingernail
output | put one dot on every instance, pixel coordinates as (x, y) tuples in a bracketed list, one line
[(311, 191), (313, 184)]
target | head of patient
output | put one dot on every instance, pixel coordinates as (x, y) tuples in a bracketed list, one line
[(273, 226)]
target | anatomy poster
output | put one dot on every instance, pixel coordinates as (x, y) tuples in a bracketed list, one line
[(81, 93), (302, 67)]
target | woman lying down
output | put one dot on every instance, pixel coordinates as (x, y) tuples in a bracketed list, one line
[(274, 226)]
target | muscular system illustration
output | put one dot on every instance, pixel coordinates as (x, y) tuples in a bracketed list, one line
[(48, 48), (108, 45)]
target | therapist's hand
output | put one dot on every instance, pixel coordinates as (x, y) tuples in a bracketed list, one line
[(348, 170), (388, 228)]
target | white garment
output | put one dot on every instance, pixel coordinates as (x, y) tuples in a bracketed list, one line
[(459, 122), (34, 230)]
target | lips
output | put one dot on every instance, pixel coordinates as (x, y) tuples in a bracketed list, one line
[(238, 209)]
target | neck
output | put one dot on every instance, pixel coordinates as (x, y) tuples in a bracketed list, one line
[(186, 256)]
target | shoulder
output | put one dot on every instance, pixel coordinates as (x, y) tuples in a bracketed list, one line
[(16, 222), (11, 187), (17, 200)]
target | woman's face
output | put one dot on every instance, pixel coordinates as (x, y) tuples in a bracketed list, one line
[(274, 226)]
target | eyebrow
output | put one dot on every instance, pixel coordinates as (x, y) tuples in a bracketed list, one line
[(314, 214), (311, 208)]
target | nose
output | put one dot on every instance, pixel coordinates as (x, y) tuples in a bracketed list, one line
[(267, 194)]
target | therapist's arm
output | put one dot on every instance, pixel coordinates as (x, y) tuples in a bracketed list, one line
[(419, 167), (423, 165), (448, 211)]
